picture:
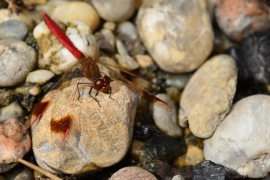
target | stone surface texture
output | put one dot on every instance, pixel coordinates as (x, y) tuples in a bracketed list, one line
[(177, 33), (99, 136), (241, 142), (207, 98)]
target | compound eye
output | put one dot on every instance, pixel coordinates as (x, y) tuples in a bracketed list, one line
[(106, 80), (98, 84)]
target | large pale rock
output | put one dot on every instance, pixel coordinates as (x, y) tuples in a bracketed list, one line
[(241, 142), (208, 96), (177, 33), (98, 137)]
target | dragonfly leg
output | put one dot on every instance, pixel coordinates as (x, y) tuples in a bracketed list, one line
[(93, 96), (79, 89), (110, 94)]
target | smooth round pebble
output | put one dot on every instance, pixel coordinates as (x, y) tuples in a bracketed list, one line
[(40, 76), (127, 62), (15, 141), (240, 18), (109, 25), (128, 29), (134, 173), (121, 48), (34, 91), (57, 58), (77, 11), (167, 121), (178, 33), (144, 60), (178, 177), (114, 10), (208, 96), (242, 139), (13, 29), (17, 59), (98, 137), (12, 110)]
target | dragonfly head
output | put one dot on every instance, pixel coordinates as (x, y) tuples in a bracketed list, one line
[(103, 85)]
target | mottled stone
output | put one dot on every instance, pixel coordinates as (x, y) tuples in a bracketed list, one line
[(134, 173), (99, 136), (13, 29), (177, 33), (114, 10), (77, 11), (13, 110), (55, 57), (238, 19), (6, 96), (40, 76), (167, 121), (17, 59), (207, 98), (242, 139)]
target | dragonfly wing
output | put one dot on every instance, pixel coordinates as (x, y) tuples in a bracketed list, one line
[(143, 93)]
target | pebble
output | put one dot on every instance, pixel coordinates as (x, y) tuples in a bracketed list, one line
[(134, 173), (34, 91), (178, 80), (211, 7), (194, 155), (177, 34), (13, 110), (17, 60), (26, 174), (50, 6), (99, 136), (29, 18), (6, 96), (127, 62), (128, 29), (178, 177), (167, 121), (207, 98), (52, 54), (13, 29), (40, 76), (238, 19), (109, 25), (242, 139), (210, 171), (114, 10), (15, 140), (121, 48), (106, 41), (144, 60), (77, 11)]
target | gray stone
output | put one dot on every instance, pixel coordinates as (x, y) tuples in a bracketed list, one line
[(177, 33), (241, 142), (13, 29), (17, 59), (114, 10), (207, 97)]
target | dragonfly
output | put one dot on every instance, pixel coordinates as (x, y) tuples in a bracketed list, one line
[(90, 69)]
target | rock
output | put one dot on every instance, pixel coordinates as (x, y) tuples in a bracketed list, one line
[(105, 40), (210, 171), (167, 121), (138, 153), (240, 18), (128, 29), (114, 10), (134, 173), (12, 110), (178, 80), (144, 60), (211, 7), (26, 174), (15, 142), (77, 11), (55, 57), (6, 96), (177, 34), (98, 137), (127, 62), (40, 76), (241, 140), (13, 29), (207, 98), (165, 147), (178, 177), (194, 155), (50, 6), (16, 61), (121, 49), (109, 25), (145, 132), (34, 91)]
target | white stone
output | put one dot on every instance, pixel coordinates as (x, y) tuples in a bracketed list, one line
[(241, 142), (40, 76)]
